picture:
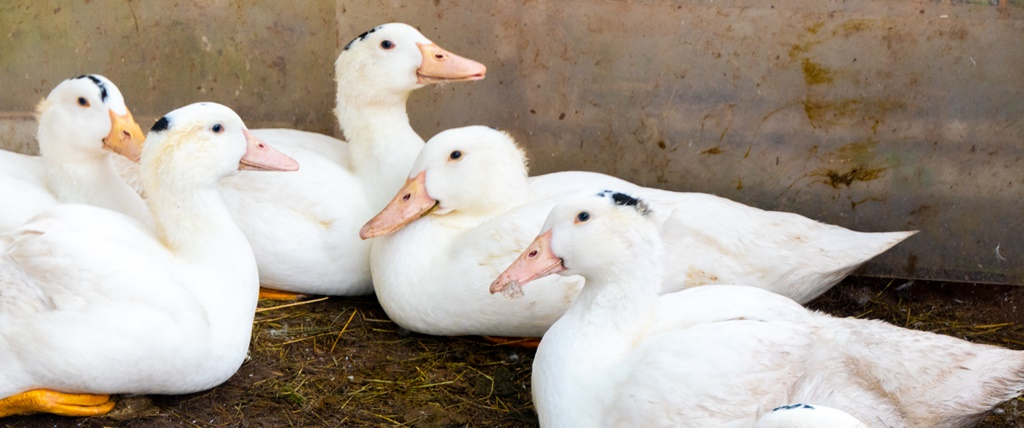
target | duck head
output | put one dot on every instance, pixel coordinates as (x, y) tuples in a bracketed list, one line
[(474, 170), (83, 116), (205, 142), (388, 62), (590, 235)]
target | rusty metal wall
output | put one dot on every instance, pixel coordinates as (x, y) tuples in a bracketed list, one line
[(272, 61), (871, 114)]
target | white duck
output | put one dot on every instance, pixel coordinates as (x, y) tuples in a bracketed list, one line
[(468, 209), (722, 356), (83, 122), (93, 302), (304, 226)]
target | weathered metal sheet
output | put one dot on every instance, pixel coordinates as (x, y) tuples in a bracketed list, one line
[(875, 115), (271, 61)]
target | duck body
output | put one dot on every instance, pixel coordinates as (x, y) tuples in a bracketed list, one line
[(93, 301), (24, 182), (697, 387), (729, 372), (83, 125), (457, 222), (304, 226), (308, 240), (726, 355), (72, 322)]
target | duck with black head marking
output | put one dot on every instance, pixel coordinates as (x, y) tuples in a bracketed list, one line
[(306, 242), (84, 125), (725, 355), (93, 302)]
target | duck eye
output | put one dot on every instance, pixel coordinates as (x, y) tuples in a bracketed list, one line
[(217, 128), (83, 102), (455, 155), (387, 45), (582, 217)]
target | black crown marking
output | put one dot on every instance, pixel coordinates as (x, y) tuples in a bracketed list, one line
[(794, 406), (619, 198), (98, 82), (360, 37), (161, 125)]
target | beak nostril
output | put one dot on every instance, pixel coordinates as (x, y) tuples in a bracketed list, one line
[(406, 197), (262, 146), (532, 254)]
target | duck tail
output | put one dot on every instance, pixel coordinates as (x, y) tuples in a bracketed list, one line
[(844, 251), (934, 380), (860, 247)]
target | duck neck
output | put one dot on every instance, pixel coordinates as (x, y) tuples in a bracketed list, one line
[(193, 221), (592, 337), (381, 141), (620, 295), (93, 181)]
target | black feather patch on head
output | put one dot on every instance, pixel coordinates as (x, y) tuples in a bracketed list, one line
[(619, 198), (624, 199), (98, 82), (360, 37), (794, 406), (161, 125)]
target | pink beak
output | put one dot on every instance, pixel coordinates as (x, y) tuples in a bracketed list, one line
[(537, 261), (440, 65), (261, 156), (411, 203)]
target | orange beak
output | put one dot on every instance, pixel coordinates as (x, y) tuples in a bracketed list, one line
[(260, 156), (125, 137), (411, 203), (537, 261), (440, 65)]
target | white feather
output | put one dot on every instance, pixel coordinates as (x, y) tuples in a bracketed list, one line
[(304, 226), (432, 276), (73, 166), (94, 301), (725, 355)]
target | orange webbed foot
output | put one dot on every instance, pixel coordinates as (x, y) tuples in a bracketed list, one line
[(272, 294), (58, 403), (519, 342)]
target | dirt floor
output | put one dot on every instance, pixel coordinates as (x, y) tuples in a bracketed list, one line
[(341, 362)]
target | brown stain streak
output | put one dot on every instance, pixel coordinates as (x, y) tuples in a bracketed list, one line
[(853, 203), (853, 26), (815, 27), (816, 74), (772, 113), (838, 179), (847, 111)]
